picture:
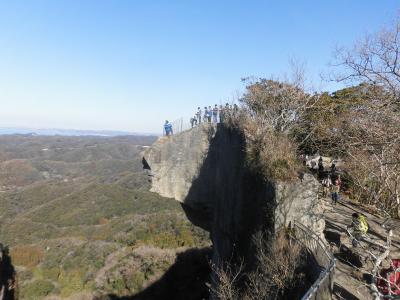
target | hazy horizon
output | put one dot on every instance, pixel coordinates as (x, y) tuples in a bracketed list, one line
[(10, 130)]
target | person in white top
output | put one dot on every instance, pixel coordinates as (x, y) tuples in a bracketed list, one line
[(326, 184)]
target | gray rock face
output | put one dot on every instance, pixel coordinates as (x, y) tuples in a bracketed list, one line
[(175, 164), (299, 201), (205, 169), (175, 161)]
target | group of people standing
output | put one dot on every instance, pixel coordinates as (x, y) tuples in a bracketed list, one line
[(333, 186), (330, 179), (214, 115), (209, 115)]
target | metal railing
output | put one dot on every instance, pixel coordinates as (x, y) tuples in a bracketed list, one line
[(322, 287), (183, 124), (180, 125)]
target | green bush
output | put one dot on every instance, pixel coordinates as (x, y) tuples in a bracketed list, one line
[(118, 285), (135, 283), (71, 282), (51, 273), (25, 275), (36, 289)]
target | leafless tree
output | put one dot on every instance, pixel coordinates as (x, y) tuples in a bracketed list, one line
[(371, 130), (374, 59), (372, 142), (227, 280), (276, 272)]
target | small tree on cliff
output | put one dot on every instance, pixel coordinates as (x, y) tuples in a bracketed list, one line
[(279, 105), (265, 120), (272, 109)]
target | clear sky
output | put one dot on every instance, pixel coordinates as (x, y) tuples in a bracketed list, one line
[(129, 65)]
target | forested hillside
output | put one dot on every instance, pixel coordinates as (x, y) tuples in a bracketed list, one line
[(79, 219)]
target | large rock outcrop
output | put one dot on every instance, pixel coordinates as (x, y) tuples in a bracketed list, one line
[(205, 169)]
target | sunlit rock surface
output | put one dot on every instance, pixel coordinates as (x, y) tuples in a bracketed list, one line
[(205, 169)]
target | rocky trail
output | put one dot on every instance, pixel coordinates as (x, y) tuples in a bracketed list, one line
[(352, 278)]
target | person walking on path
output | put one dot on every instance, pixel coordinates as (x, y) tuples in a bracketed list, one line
[(339, 180), (198, 115), (335, 192), (215, 114), (358, 228), (193, 121), (205, 116), (209, 114), (221, 114), (333, 168), (227, 111), (326, 184), (168, 128), (313, 164), (303, 159), (320, 167)]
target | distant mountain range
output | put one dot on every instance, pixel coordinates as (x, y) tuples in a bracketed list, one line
[(67, 132)]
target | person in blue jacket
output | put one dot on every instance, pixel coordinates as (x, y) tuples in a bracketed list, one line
[(168, 128)]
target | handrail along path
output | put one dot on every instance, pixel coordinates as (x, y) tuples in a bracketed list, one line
[(322, 288)]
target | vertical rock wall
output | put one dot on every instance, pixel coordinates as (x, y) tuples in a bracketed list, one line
[(205, 169)]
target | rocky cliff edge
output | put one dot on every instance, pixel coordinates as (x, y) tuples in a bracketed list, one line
[(205, 169)]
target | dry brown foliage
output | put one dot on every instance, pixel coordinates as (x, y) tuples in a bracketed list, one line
[(273, 154), (372, 133), (227, 282), (277, 264), (26, 255), (270, 153), (270, 111), (278, 105), (276, 270), (372, 143)]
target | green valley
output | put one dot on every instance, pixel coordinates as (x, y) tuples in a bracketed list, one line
[(79, 219)]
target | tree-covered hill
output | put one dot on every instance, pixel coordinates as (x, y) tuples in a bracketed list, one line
[(79, 219)]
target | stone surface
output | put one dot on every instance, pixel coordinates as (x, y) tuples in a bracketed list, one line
[(176, 161), (299, 201), (205, 169)]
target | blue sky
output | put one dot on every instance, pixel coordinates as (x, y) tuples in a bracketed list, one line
[(129, 65)]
